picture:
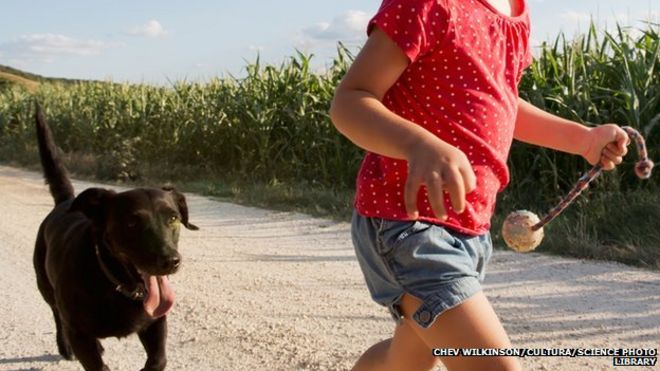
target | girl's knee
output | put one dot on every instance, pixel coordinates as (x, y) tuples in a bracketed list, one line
[(504, 364), (408, 352), (477, 364), (412, 362)]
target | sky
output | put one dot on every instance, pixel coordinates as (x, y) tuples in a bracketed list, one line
[(163, 41)]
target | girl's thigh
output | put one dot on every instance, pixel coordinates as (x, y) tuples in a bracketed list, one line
[(472, 324)]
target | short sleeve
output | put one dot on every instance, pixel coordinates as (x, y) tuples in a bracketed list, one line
[(416, 26), (527, 58)]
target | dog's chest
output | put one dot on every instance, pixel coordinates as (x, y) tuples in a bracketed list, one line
[(103, 312), (119, 318)]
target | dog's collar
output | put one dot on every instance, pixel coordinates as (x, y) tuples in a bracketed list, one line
[(136, 294)]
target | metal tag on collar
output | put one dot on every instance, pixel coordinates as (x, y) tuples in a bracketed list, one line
[(138, 293)]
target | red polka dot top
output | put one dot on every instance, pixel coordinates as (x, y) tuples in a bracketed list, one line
[(466, 60)]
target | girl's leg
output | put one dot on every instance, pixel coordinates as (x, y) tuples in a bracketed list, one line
[(472, 324), (405, 351)]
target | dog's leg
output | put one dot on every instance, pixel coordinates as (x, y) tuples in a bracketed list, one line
[(87, 349), (48, 293), (63, 346), (153, 339)]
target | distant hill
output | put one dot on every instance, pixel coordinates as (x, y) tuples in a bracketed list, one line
[(30, 81), (8, 79), (6, 70)]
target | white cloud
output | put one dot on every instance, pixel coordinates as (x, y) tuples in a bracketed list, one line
[(573, 16), (152, 29), (349, 27), (608, 20), (47, 47)]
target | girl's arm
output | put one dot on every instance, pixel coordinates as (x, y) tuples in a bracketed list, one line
[(604, 144), (358, 113)]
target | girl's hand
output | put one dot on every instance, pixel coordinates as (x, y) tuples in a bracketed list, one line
[(440, 167), (606, 145)]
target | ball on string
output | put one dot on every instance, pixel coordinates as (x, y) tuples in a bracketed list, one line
[(643, 168), (517, 231)]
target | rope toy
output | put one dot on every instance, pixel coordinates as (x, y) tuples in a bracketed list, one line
[(523, 230)]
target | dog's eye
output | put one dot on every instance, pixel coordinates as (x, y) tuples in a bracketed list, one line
[(173, 219)]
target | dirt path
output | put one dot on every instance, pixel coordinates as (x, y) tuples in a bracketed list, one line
[(266, 290)]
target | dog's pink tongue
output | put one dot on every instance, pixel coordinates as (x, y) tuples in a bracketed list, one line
[(160, 296)]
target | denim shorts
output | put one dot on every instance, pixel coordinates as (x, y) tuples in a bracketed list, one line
[(440, 267)]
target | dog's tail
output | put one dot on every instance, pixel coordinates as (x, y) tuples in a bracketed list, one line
[(55, 174)]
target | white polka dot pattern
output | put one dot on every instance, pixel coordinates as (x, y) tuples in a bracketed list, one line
[(465, 64)]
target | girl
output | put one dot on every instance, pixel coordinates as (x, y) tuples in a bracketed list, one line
[(433, 98)]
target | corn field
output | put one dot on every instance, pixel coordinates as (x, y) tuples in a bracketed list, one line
[(273, 123)]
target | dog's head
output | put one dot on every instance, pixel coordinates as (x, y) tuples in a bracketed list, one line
[(140, 226)]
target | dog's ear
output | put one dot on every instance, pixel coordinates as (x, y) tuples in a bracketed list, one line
[(181, 204), (92, 202)]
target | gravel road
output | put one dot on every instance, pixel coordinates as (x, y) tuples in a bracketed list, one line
[(269, 290)]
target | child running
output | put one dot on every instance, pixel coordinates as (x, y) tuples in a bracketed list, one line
[(433, 99)]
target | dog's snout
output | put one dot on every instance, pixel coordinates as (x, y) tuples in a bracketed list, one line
[(176, 261), (170, 264)]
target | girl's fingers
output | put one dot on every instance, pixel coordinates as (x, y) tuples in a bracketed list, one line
[(457, 182), (469, 179), (607, 164), (622, 140), (434, 187), (608, 160), (609, 155), (455, 185), (614, 148), (410, 195)]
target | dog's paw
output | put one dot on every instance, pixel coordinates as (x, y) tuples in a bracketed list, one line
[(64, 349), (154, 366), (100, 347), (66, 354)]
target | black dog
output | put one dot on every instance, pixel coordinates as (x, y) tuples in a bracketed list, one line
[(102, 261)]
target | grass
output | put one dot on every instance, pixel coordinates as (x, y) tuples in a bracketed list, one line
[(305, 197)]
